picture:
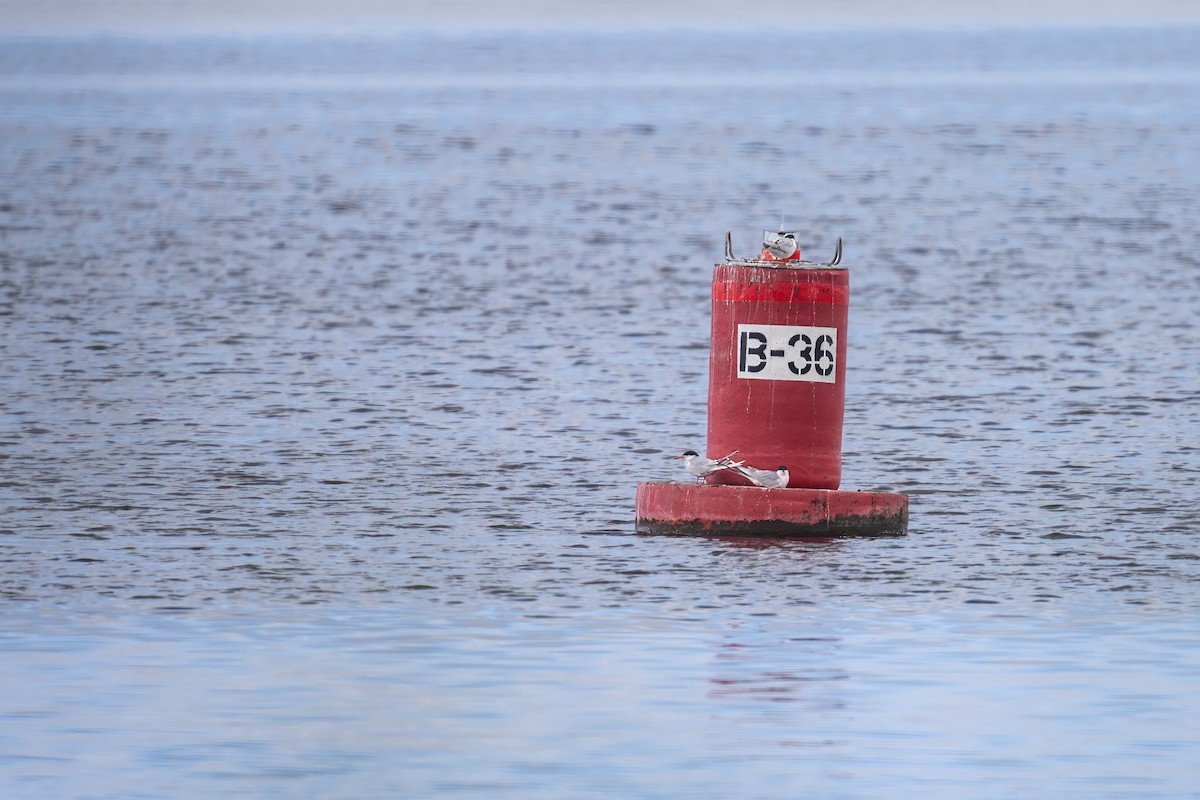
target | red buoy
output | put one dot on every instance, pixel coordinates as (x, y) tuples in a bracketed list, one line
[(776, 397)]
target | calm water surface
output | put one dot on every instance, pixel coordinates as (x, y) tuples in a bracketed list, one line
[(330, 367)]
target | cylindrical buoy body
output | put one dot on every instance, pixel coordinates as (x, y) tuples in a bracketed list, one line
[(777, 371)]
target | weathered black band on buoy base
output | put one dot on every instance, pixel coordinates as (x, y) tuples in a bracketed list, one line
[(702, 509)]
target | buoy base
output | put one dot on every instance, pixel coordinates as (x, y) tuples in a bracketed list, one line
[(691, 509)]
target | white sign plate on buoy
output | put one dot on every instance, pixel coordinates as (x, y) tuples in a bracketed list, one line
[(787, 353)]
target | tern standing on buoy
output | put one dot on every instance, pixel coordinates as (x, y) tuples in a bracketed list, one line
[(702, 467)]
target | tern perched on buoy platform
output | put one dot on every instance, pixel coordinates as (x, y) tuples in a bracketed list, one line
[(702, 467), (776, 395), (764, 478)]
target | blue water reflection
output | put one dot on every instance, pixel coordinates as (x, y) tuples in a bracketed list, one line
[(852, 702)]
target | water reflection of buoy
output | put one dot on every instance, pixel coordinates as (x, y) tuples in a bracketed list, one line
[(776, 396)]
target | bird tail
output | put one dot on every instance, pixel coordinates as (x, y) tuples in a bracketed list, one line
[(725, 461), (736, 468)]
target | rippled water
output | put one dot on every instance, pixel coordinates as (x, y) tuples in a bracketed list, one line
[(330, 368)]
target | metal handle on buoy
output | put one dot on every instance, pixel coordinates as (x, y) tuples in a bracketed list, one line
[(837, 254)]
